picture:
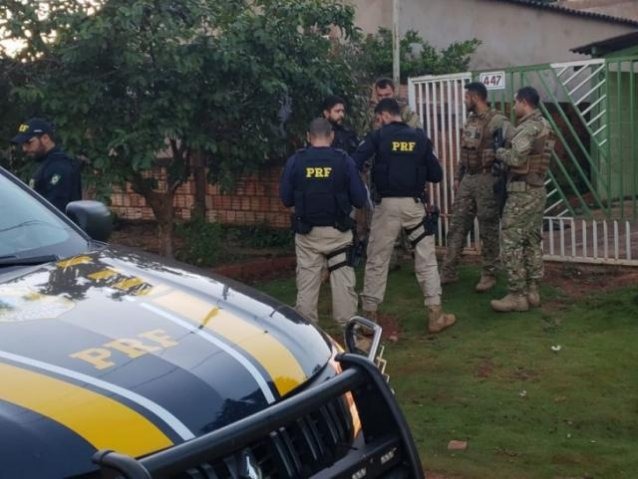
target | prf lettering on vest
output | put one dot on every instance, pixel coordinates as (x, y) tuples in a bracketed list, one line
[(322, 172), (403, 146)]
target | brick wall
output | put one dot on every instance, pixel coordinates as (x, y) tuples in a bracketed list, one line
[(255, 200)]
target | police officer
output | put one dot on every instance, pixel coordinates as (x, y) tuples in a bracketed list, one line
[(384, 88), (474, 187), (334, 110), (526, 162), (57, 176), (404, 162), (323, 185)]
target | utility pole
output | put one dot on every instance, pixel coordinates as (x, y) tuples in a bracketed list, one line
[(396, 43)]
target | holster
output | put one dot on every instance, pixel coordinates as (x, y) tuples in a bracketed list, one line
[(426, 228), (340, 258), (346, 223), (299, 226)]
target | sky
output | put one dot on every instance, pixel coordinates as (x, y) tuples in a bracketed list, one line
[(12, 46)]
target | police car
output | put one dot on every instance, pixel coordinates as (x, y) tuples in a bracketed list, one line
[(118, 364)]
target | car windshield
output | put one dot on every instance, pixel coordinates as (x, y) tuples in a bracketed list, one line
[(29, 229)]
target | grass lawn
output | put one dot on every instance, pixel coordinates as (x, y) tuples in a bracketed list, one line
[(526, 410)]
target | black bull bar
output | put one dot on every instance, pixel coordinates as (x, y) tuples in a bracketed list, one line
[(387, 441)]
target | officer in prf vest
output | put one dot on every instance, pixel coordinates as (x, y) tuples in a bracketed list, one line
[(323, 185), (403, 163)]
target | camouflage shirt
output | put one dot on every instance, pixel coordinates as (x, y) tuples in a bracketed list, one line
[(497, 121), (522, 139)]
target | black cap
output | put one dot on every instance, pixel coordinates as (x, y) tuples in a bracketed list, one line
[(33, 127)]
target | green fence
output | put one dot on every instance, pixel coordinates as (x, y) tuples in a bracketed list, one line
[(592, 107)]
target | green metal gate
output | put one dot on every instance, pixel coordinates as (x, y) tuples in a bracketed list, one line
[(592, 208)]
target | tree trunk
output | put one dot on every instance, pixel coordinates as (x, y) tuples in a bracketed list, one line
[(201, 182), (162, 205)]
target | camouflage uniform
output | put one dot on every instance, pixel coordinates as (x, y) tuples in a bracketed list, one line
[(475, 196), (527, 162)]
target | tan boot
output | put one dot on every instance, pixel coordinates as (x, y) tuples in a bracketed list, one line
[(438, 320), (486, 283), (449, 278), (533, 295), (511, 302), (372, 316), (368, 314)]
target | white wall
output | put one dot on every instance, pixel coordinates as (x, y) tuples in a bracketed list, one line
[(511, 34)]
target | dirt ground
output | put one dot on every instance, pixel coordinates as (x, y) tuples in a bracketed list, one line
[(578, 281)]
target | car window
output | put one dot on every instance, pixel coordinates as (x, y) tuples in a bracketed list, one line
[(28, 227)]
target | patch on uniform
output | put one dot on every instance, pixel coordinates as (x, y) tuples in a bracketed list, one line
[(55, 179), (521, 143)]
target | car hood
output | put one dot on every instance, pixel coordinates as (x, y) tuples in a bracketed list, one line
[(117, 350)]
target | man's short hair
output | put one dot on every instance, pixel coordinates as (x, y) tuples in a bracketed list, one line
[(389, 105), (331, 101), (320, 128), (384, 82), (478, 89), (529, 95)]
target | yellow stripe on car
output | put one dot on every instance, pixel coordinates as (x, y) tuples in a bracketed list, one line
[(100, 420), (274, 357), (75, 261)]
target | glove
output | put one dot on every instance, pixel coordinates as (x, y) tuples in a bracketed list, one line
[(500, 153), (498, 168)]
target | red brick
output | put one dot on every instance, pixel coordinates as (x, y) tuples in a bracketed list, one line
[(250, 187)]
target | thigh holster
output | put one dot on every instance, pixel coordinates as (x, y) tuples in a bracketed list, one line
[(340, 258), (427, 227)]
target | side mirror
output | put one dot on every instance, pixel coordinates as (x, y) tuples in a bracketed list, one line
[(363, 336), (93, 217)]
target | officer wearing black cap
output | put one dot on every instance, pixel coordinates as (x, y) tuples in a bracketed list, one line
[(57, 176), (323, 185), (403, 163)]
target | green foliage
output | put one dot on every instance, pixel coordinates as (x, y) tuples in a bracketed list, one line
[(259, 236), (418, 57), (208, 244), (202, 242), (125, 80), (236, 80)]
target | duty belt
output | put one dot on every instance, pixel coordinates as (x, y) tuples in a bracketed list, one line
[(478, 171), (520, 187)]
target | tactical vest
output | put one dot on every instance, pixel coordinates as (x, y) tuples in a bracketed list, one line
[(477, 153), (534, 170), (321, 188), (399, 169)]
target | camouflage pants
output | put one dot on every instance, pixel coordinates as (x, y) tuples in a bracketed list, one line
[(475, 198), (521, 229)]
